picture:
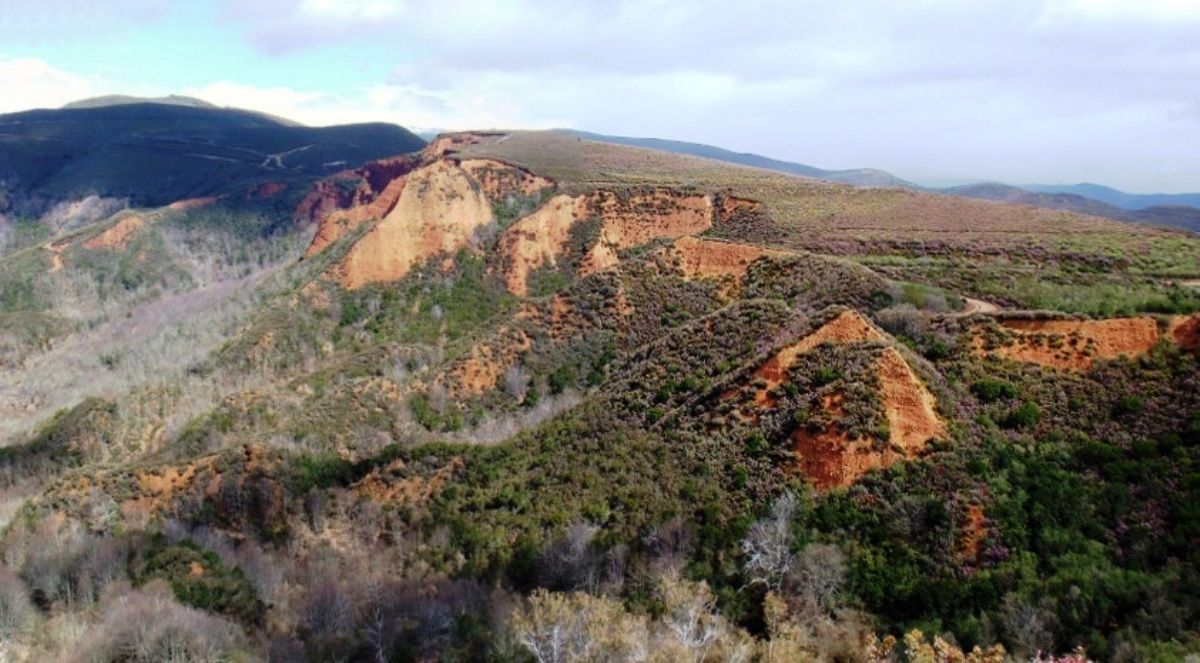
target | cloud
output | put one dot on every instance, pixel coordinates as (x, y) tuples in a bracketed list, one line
[(1001, 89), (33, 83)]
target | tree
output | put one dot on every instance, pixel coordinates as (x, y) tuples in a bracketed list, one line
[(561, 627), (768, 545)]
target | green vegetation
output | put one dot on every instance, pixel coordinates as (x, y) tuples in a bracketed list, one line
[(199, 578)]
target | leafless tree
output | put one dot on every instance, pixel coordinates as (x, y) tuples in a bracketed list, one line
[(768, 545), (1028, 626), (818, 577), (17, 613), (516, 381)]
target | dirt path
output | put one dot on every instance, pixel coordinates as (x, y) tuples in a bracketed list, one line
[(1193, 283), (978, 306), (56, 261)]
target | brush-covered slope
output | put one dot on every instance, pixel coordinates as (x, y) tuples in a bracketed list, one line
[(1178, 215), (155, 153), (519, 384)]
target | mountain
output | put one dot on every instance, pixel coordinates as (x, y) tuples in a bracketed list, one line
[(523, 395), (154, 153), (867, 177), (1179, 216), (124, 100), (1172, 210), (1129, 201)]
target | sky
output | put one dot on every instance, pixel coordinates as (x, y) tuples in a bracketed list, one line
[(935, 91)]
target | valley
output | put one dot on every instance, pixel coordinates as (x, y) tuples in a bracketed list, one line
[(444, 401)]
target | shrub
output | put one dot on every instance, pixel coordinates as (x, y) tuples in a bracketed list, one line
[(199, 579), (989, 390), (1025, 416), (1129, 404)]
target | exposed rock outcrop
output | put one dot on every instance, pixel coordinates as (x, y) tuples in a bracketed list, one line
[(440, 208), (117, 237), (1072, 345), (626, 220), (830, 457), (501, 180)]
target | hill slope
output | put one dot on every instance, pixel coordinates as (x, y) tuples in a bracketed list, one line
[(454, 404), (856, 177), (1129, 201), (157, 153), (1181, 216)]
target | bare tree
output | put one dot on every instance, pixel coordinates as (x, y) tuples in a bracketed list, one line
[(818, 577), (17, 613), (768, 545), (516, 381), (1027, 625), (689, 616)]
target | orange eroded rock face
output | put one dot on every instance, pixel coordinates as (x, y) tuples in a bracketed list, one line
[(974, 531), (486, 362), (640, 219), (831, 458), (118, 236), (911, 413), (699, 257), (542, 238), (538, 240), (338, 210), (847, 327), (1075, 345), (439, 210), (500, 180)]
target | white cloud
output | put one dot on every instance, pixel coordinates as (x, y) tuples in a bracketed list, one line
[(351, 11), (1175, 12), (33, 83), (1004, 89)]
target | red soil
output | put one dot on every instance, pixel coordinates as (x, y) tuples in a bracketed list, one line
[(831, 458), (1075, 345), (118, 236)]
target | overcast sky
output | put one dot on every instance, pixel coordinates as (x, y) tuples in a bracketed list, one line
[(1052, 91)]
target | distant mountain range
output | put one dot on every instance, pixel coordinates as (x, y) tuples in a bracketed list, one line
[(1180, 210), (1131, 201), (856, 176), (156, 151), (1178, 215)]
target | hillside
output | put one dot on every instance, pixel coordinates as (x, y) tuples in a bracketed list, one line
[(1129, 201), (155, 153), (870, 177), (1179, 216), (1180, 211), (455, 404)]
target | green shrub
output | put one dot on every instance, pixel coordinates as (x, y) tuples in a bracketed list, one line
[(200, 579), (1024, 416), (990, 391)]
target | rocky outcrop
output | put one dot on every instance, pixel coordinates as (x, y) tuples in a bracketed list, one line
[(117, 237), (1069, 344), (538, 240), (439, 210), (625, 220), (353, 196), (633, 220), (699, 257), (830, 457), (501, 180)]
